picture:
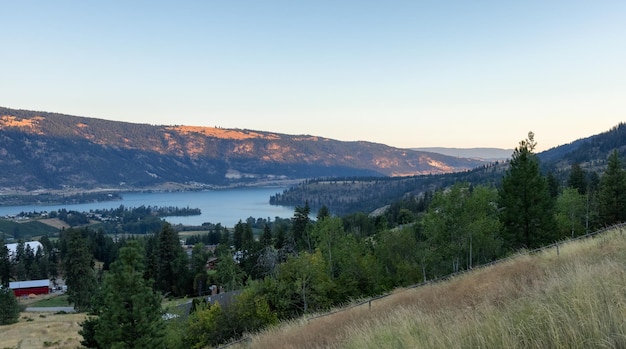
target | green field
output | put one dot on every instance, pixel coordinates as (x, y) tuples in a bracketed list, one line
[(24, 231), (56, 301)]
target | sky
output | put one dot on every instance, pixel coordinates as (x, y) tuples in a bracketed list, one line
[(402, 73)]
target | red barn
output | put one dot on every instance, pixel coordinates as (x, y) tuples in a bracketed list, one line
[(24, 288)]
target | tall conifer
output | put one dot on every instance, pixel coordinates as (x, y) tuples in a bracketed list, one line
[(525, 202), (131, 316), (612, 196)]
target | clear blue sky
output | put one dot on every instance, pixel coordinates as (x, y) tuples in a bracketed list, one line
[(402, 73)]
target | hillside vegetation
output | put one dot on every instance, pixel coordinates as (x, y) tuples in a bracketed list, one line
[(347, 195), (570, 297)]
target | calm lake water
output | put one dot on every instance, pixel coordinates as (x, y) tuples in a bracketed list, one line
[(226, 206)]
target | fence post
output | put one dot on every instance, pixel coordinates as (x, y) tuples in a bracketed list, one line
[(370, 304), (557, 248)]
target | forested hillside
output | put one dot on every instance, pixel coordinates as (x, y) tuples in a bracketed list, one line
[(41, 150), (346, 195)]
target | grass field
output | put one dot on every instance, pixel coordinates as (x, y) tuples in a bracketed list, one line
[(57, 301), (573, 299), (43, 330)]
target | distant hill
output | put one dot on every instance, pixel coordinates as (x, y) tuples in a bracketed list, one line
[(486, 154), (590, 152), (41, 151), (344, 196)]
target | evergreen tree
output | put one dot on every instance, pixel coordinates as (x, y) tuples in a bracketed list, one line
[(280, 238), (20, 261), (29, 261), (524, 200), (9, 307), (300, 227), (323, 212), (215, 234), (553, 185), (238, 236), (248, 238), (612, 195), (78, 267), (577, 179), (131, 316), (5, 265), (266, 237), (173, 275), (40, 270)]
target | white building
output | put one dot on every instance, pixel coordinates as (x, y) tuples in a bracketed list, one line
[(34, 245)]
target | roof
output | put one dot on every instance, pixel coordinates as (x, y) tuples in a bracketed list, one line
[(34, 245), (29, 284)]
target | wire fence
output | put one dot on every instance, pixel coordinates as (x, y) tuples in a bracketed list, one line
[(369, 301)]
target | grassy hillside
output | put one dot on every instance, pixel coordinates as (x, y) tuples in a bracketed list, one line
[(24, 230), (43, 330), (570, 298)]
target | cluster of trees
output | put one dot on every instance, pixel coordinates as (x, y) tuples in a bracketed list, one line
[(27, 263)]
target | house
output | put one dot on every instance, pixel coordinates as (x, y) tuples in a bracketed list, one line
[(25, 288), (211, 264)]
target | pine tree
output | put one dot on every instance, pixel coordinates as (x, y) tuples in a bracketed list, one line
[(612, 195), (578, 179), (5, 265), (266, 237), (238, 235), (78, 266), (525, 201), (172, 263), (131, 316), (9, 307), (301, 227)]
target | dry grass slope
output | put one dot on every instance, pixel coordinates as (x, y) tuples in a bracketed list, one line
[(573, 299), (43, 330)]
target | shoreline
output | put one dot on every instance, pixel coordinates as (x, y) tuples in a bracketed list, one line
[(18, 197)]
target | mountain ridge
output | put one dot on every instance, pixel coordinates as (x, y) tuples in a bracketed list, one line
[(344, 196), (43, 150)]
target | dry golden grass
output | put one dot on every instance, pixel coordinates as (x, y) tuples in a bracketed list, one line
[(222, 133), (573, 299), (43, 330)]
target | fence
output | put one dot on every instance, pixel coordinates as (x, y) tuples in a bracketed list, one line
[(369, 301)]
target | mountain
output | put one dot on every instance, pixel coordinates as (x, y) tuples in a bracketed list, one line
[(368, 194), (41, 150), (486, 154), (590, 152)]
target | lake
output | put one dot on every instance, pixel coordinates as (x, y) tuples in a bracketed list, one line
[(226, 206)]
